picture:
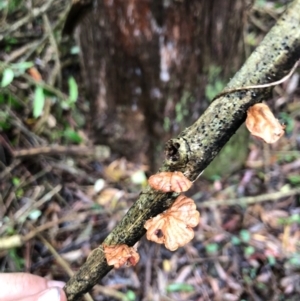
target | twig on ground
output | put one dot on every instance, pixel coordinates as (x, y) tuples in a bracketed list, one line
[(56, 72), (33, 178), (22, 214), (20, 51), (33, 14), (274, 196), (72, 170), (29, 79), (98, 152), (9, 242), (45, 86), (63, 263), (15, 120)]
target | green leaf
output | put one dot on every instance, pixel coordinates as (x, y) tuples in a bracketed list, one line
[(75, 50), (21, 67), (288, 122), (249, 251), (295, 218), (73, 90), (3, 5), (7, 78), (271, 260), (295, 260), (18, 261), (4, 120), (13, 5), (138, 177), (131, 295), (20, 193), (167, 124), (260, 3), (16, 181), (294, 179), (38, 101), (235, 240), (245, 235), (179, 287), (72, 136), (212, 248), (35, 214)]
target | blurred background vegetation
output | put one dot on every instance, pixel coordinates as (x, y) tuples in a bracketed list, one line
[(90, 92)]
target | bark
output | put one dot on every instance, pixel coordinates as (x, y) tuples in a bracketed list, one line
[(197, 145)]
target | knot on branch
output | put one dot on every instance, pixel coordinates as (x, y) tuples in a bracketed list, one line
[(176, 152)]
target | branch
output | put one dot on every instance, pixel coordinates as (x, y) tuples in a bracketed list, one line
[(273, 196), (196, 146), (99, 152)]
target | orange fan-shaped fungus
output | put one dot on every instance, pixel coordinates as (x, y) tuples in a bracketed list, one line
[(170, 182), (34, 73), (174, 227), (121, 254), (261, 123)]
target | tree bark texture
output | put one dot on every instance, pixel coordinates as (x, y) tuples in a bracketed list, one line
[(145, 66), (197, 145)]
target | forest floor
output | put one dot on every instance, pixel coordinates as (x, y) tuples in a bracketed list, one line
[(60, 195)]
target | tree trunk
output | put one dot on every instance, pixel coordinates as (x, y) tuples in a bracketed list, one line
[(145, 65)]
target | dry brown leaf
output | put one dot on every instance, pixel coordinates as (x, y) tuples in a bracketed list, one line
[(109, 197), (170, 181), (174, 226), (120, 255), (274, 217), (35, 74), (262, 124)]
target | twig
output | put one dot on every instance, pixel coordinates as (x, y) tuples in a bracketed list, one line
[(9, 169), (57, 67), (28, 78), (262, 86), (33, 14), (274, 196), (72, 170), (100, 152), (45, 86), (9, 242), (20, 51), (22, 214), (18, 123), (35, 177), (38, 127), (46, 36), (63, 263), (110, 292), (4, 14)]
